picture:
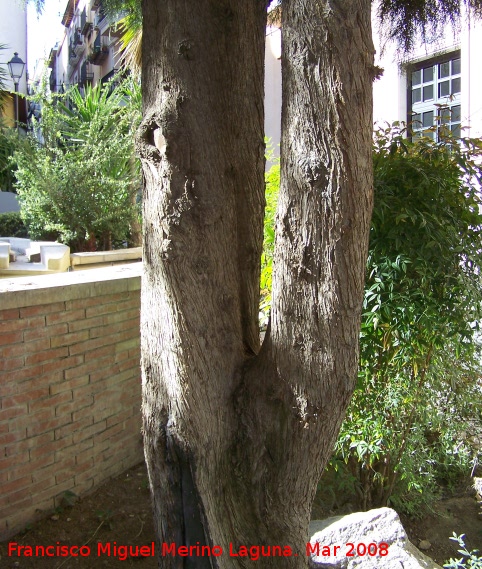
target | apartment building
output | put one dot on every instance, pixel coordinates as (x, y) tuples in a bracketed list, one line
[(89, 50)]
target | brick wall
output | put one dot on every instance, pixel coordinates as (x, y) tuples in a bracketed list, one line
[(70, 390)]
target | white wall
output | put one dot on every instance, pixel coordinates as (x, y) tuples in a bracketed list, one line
[(390, 91), (13, 34), (272, 116)]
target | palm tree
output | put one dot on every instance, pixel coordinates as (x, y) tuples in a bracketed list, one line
[(131, 43)]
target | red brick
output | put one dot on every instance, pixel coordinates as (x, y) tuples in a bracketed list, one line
[(65, 316), (10, 338), (69, 339), (114, 328), (25, 397), (81, 412), (73, 407), (47, 355), (8, 508), (84, 460), (131, 363), (101, 309), (10, 314), (12, 412), (111, 410), (45, 449), (129, 344), (31, 466), (42, 309), (32, 383), (121, 356), (64, 476), (89, 431), (101, 438), (45, 425), (12, 437), (101, 352), (65, 462), (9, 364), (97, 300), (87, 345), (115, 379), (29, 348), (31, 444), (50, 402), (85, 323), (13, 325), (65, 434), (35, 334), (123, 315), (16, 485), (63, 364), (71, 428), (135, 353), (12, 460), (68, 385), (84, 479), (89, 366), (53, 492)]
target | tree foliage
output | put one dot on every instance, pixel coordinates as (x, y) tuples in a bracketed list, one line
[(418, 348), (80, 182)]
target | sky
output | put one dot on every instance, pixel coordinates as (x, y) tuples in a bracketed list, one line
[(43, 31)]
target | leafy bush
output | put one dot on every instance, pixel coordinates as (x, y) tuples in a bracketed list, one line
[(471, 561), (80, 182), (12, 225), (421, 310), (272, 179), (9, 142)]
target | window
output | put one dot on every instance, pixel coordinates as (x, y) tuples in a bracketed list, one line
[(434, 97)]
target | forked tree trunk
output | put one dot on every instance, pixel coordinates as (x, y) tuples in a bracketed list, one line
[(236, 437)]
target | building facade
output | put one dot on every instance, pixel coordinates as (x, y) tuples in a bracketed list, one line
[(437, 87), (89, 50), (13, 35)]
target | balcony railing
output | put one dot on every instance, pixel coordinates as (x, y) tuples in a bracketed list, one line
[(86, 75), (100, 51), (85, 23)]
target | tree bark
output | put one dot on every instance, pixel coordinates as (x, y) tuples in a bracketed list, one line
[(236, 437)]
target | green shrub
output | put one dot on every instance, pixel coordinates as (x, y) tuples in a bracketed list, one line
[(80, 183), (469, 559), (12, 225)]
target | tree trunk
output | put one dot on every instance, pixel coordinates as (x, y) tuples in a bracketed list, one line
[(236, 437)]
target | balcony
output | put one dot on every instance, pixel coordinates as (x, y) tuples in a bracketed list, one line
[(99, 53), (86, 75), (53, 79), (100, 20), (73, 54), (85, 23)]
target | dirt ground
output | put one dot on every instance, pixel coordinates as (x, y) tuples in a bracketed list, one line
[(118, 513)]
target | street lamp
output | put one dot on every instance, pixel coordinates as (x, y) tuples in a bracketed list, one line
[(16, 67)]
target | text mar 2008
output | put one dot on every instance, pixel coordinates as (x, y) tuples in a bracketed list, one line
[(253, 552)]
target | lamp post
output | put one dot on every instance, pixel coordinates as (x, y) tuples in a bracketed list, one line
[(16, 67)]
